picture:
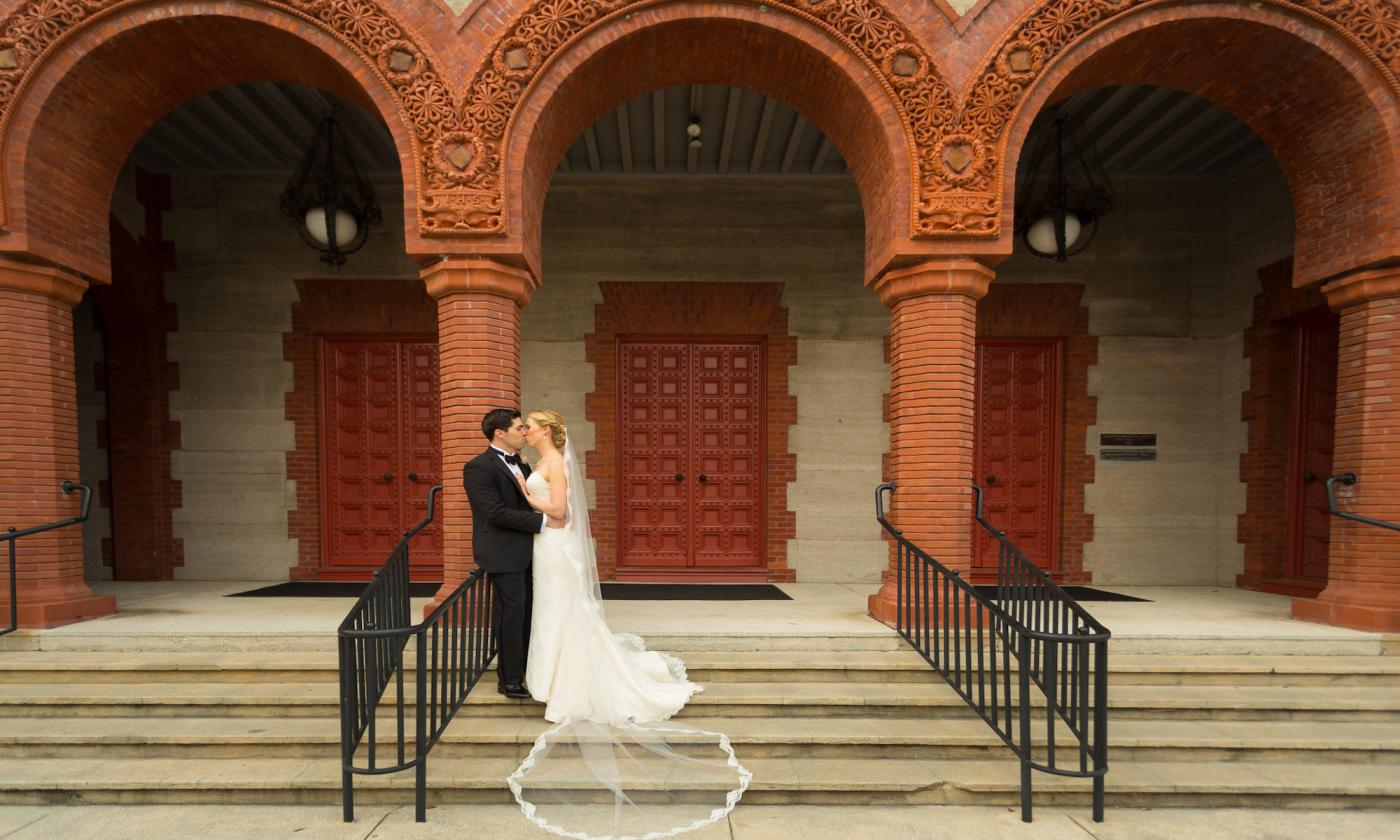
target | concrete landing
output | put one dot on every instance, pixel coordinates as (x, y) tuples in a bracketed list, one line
[(196, 615)]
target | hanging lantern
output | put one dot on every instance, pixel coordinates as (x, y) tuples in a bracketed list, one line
[(1063, 195), (332, 203)]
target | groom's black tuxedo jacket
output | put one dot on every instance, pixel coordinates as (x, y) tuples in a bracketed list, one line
[(503, 523)]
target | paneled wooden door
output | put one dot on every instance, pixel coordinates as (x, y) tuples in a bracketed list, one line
[(690, 482), (1017, 449), (1310, 463), (380, 452)]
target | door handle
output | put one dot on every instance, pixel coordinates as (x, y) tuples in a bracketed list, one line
[(413, 477), (704, 478), (388, 477), (680, 476), (991, 479)]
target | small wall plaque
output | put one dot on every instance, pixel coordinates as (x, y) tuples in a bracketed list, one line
[(1127, 454), (1128, 440)]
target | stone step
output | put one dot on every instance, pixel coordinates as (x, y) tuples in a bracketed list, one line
[(706, 667), (833, 737), (80, 638), (746, 699), (776, 781)]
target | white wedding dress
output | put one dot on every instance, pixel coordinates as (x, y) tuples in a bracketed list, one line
[(609, 767), (577, 666)]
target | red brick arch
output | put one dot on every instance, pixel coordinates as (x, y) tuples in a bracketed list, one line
[(1322, 97), (781, 52), (91, 79)]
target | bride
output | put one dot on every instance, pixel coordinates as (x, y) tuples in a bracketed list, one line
[(605, 693)]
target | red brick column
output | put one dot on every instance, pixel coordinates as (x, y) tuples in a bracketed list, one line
[(479, 304), (933, 366), (39, 446), (1363, 581)]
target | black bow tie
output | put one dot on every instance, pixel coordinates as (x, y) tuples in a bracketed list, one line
[(513, 460)]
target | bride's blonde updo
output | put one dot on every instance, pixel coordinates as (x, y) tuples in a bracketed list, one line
[(558, 432)]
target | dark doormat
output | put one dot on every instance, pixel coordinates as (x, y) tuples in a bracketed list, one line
[(328, 589), (693, 592), (1078, 593)]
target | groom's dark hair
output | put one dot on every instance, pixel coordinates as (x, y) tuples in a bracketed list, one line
[(497, 419)]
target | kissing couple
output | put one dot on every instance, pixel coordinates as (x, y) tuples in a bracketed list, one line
[(609, 766)]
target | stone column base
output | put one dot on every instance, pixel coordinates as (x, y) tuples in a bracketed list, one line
[(1374, 608)]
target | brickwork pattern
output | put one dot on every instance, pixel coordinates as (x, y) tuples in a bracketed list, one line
[(930, 409), (1363, 588), (1055, 310), (39, 436), (478, 311), (706, 309), (334, 305)]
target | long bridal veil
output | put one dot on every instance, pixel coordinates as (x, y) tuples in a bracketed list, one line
[(609, 775)]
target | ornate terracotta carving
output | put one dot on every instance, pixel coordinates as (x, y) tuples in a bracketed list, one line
[(957, 145), (1372, 26), (405, 67)]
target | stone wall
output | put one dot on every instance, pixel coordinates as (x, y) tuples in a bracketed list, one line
[(1169, 283), (236, 265), (1168, 286), (805, 235)]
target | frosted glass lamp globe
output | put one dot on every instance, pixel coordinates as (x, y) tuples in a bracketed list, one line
[(345, 226)]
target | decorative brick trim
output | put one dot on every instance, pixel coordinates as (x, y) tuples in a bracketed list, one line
[(1056, 310), (138, 378), (338, 305), (709, 309)]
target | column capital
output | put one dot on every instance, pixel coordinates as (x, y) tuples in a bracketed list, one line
[(964, 277), (481, 275), (49, 281), (1364, 286)]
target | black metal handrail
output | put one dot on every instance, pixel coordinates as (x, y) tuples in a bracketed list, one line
[(453, 647), (1349, 478), (993, 650), (13, 536)]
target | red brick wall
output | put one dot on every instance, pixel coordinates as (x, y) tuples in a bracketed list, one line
[(1056, 310), (334, 305), (749, 309), (1266, 409), (138, 378)]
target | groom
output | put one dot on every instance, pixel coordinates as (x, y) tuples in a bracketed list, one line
[(503, 529)]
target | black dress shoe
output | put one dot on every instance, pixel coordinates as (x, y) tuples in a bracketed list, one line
[(515, 691)]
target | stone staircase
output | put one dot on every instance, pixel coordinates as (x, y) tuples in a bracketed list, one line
[(869, 723)]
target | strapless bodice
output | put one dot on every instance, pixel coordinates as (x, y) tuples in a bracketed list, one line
[(538, 486)]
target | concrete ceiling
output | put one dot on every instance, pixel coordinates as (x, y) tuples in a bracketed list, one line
[(1137, 130)]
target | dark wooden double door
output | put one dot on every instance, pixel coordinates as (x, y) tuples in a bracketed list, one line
[(690, 433), (381, 444)]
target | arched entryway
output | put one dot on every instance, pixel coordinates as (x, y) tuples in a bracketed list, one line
[(70, 124), (1332, 128)]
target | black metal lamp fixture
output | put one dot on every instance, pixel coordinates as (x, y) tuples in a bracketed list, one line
[(332, 202), (1063, 195)]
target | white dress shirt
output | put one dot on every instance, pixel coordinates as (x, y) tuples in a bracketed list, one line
[(515, 469)]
